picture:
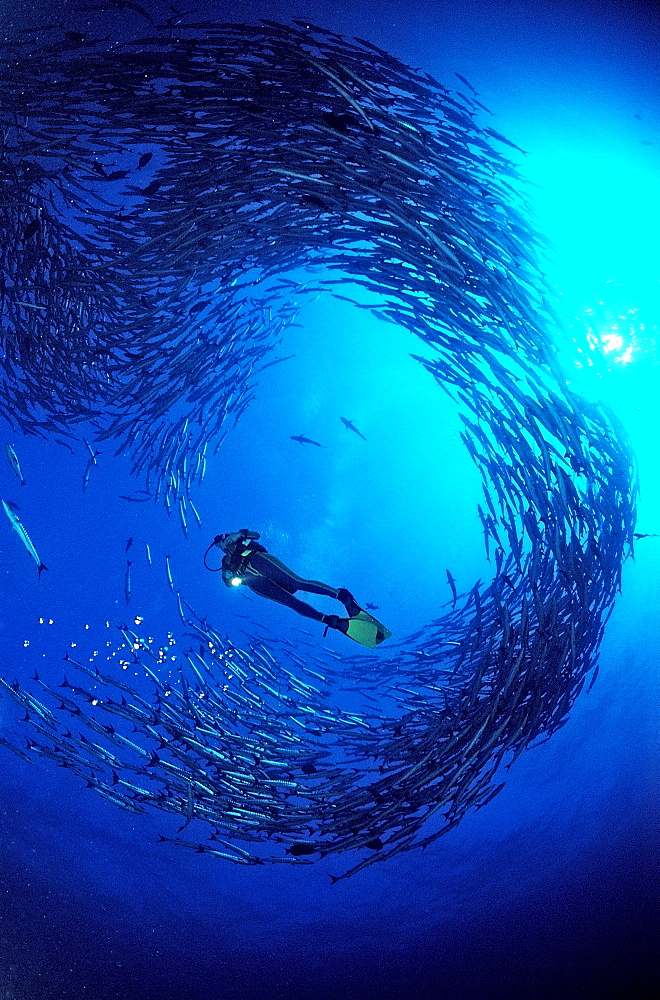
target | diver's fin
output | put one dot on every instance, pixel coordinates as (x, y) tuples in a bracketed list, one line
[(366, 630)]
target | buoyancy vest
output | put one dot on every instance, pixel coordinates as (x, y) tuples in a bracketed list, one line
[(237, 559)]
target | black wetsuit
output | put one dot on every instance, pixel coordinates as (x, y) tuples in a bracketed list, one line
[(264, 574)]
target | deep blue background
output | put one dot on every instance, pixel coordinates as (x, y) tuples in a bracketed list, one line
[(548, 892)]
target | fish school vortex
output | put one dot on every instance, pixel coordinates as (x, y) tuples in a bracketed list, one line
[(158, 202)]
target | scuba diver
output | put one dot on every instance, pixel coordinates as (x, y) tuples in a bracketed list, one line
[(248, 562)]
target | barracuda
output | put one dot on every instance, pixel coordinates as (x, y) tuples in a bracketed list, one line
[(24, 537)]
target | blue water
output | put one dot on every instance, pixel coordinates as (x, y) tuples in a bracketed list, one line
[(549, 890)]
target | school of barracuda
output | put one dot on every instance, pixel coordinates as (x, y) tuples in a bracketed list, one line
[(159, 200)]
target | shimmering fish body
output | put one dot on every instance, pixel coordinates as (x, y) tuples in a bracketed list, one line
[(14, 462), (24, 537)]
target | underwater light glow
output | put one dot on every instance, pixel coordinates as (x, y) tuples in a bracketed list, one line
[(611, 342)]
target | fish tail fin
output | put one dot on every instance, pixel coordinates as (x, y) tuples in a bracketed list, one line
[(40, 568)]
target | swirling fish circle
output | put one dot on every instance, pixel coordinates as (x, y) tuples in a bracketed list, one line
[(152, 256)]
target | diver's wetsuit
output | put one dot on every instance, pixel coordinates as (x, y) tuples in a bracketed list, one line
[(247, 560)]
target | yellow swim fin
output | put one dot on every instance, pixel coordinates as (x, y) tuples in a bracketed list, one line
[(366, 630)]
